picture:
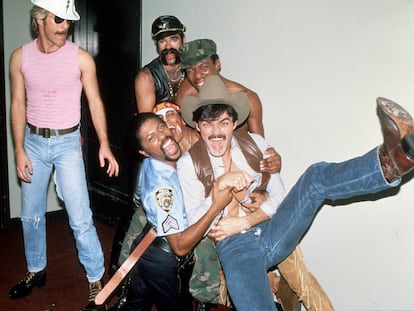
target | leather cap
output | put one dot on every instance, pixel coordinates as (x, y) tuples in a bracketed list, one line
[(166, 25)]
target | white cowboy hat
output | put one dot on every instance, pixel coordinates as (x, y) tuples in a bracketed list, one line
[(214, 91), (62, 8)]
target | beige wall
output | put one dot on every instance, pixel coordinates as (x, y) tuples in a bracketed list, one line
[(318, 66)]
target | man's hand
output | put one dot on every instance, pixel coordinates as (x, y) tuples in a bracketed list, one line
[(106, 154), (226, 184), (272, 163), (228, 226), (220, 196), (23, 166), (237, 181), (256, 200)]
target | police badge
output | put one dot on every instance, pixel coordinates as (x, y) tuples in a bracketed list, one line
[(165, 199)]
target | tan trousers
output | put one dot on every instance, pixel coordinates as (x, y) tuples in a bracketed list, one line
[(298, 284)]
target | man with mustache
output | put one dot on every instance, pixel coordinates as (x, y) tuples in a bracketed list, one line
[(159, 80), (270, 233), (154, 277), (47, 77)]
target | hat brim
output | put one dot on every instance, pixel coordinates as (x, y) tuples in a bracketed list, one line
[(165, 33), (71, 16), (239, 101)]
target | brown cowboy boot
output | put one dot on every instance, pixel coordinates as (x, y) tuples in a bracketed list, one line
[(397, 152), (303, 283)]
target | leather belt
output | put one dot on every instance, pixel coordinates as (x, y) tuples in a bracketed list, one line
[(161, 242), (46, 132)]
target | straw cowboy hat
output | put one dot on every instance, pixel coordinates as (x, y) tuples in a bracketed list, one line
[(214, 91)]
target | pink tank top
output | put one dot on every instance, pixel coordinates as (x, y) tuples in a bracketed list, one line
[(53, 86)]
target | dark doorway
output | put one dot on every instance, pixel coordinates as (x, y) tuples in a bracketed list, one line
[(4, 176), (111, 32)]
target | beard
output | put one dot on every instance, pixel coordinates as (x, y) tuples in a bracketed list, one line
[(164, 52)]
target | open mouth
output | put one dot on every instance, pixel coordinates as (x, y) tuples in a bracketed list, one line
[(172, 129), (169, 146), (199, 83), (217, 142)]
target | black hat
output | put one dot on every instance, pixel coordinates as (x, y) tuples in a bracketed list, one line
[(166, 25)]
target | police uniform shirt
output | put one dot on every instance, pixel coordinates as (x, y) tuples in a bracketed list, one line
[(162, 197)]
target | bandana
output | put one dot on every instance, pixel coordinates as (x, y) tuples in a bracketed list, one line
[(163, 108)]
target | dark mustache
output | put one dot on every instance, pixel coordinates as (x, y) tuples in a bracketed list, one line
[(216, 136), (171, 50), (164, 52)]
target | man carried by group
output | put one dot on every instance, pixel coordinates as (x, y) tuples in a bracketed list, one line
[(270, 233), (200, 60)]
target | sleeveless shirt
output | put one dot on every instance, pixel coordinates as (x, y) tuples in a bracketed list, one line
[(53, 86)]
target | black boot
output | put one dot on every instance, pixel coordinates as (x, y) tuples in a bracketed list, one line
[(26, 284)]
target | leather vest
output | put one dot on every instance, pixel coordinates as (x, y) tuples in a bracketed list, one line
[(249, 148), (162, 91)]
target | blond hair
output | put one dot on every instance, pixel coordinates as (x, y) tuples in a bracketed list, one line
[(36, 12)]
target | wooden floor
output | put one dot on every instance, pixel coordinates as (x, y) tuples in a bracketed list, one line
[(66, 287)]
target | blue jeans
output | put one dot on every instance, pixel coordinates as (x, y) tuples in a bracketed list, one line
[(247, 257), (64, 154)]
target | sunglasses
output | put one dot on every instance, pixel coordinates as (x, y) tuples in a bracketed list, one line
[(59, 20)]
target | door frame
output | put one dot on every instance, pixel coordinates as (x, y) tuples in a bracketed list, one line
[(4, 175)]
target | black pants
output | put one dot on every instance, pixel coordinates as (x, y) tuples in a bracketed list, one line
[(154, 281)]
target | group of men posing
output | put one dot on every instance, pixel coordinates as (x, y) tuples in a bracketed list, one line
[(209, 184), (179, 71)]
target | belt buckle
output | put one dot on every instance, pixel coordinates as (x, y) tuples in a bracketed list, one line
[(46, 133)]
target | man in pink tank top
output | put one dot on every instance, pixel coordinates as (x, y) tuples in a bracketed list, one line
[(47, 77)]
